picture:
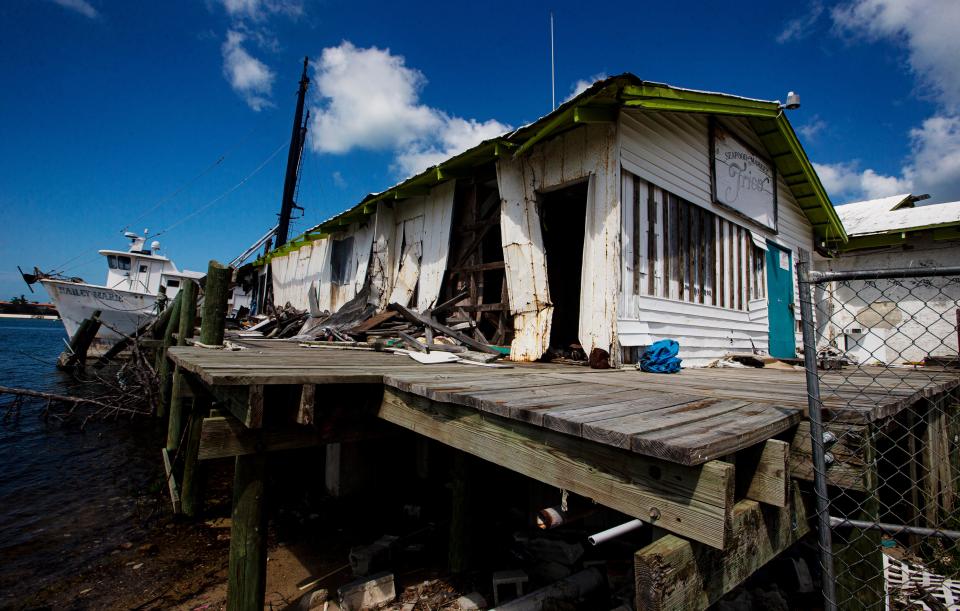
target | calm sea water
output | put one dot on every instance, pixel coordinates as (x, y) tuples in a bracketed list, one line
[(67, 497)]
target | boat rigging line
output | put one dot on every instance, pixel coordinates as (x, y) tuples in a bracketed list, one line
[(61, 268), (224, 194)]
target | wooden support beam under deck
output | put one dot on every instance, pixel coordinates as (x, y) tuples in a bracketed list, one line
[(694, 502), (244, 402), (673, 573)]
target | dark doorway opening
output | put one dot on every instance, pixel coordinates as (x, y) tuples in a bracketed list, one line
[(563, 216)]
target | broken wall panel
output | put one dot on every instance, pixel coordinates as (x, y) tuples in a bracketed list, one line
[(577, 155)]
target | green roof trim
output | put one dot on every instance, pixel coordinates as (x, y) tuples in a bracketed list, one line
[(601, 103)]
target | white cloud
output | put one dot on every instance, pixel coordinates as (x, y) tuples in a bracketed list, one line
[(80, 6), (338, 179), (935, 158), (258, 10), (368, 98), (248, 76), (583, 84), (927, 30), (801, 27), (456, 136), (812, 128), (846, 182)]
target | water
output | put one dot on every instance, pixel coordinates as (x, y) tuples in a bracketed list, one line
[(68, 497)]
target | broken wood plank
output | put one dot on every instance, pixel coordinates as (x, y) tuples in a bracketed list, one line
[(171, 481), (694, 502), (675, 574), (416, 317)]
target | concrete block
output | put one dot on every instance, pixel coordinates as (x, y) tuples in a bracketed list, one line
[(474, 601), (514, 577), (367, 593)]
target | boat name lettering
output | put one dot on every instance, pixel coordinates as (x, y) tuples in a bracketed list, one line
[(78, 292)]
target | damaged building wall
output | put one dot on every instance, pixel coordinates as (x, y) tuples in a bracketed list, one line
[(893, 321), (408, 242), (670, 151), (586, 153), (308, 268), (421, 243)]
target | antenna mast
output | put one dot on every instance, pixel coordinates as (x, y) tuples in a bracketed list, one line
[(297, 138), (553, 79)]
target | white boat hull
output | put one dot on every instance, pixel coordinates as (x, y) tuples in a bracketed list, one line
[(122, 312)]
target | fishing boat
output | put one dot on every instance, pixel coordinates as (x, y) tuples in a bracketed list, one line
[(139, 280)]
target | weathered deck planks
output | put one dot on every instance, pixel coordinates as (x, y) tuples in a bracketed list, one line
[(689, 418)]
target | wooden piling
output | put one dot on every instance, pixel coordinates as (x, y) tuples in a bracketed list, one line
[(76, 358), (164, 374), (248, 535), (458, 550), (215, 294), (191, 490), (188, 315), (211, 334)]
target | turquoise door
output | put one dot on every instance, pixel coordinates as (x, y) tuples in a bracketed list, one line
[(780, 302)]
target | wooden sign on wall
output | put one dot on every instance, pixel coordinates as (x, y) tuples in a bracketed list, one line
[(743, 180)]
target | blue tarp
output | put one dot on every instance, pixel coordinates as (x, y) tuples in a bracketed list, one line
[(661, 357)]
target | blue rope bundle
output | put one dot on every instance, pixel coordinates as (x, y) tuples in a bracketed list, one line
[(661, 357)]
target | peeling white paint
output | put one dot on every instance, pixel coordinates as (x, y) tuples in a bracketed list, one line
[(585, 153)]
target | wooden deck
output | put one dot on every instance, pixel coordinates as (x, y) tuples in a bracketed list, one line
[(690, 417), (717, 458)]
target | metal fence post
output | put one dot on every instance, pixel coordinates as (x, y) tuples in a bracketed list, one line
[(815, 416)]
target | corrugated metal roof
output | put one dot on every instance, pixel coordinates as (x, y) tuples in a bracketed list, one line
[(897, 213)]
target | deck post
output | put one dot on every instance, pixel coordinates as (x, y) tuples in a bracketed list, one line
[(248, 535), (211, 334), (458, 551), (188, 315), (191, 495), (215, 303), (163, 363)]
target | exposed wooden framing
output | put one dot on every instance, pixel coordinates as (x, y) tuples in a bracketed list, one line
[(651, 241), (307, 400), (683, 247), (224, 436), (763, 472), (675, 574), (848, 470), (719, 285), (244, 402), (691, 501), (636, 235)]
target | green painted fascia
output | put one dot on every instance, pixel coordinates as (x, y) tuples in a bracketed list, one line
[(833, 232), (650, 92)]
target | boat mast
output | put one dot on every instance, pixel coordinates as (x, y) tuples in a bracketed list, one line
[(297, 139)]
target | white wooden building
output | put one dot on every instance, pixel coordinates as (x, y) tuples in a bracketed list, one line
[(902, 320), (634, 212)]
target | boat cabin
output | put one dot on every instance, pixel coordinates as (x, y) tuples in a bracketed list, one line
[(634, 212), (142, 270)]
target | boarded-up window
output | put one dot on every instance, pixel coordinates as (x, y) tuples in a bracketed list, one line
[(340, 258), (684, 252)]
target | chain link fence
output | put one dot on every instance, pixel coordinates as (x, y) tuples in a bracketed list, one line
[(881, 355)]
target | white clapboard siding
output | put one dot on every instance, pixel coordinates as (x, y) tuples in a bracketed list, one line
[(671, 151)]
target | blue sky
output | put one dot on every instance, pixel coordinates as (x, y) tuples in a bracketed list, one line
[(111, 107)]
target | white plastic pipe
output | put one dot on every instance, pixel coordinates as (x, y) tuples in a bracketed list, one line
[(613, 533)]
